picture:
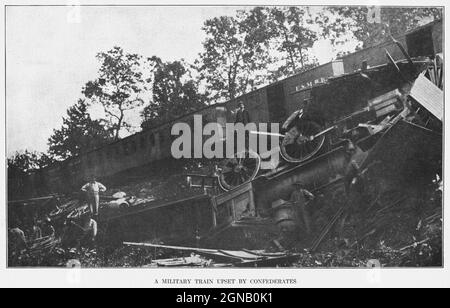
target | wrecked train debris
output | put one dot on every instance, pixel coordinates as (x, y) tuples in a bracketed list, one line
[(243, 258), (364, 140)]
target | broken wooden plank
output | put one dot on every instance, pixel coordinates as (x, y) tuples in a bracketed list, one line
[(270, 262), (427, 94), (192, 261), (370, 233), (148, 245), (392, 205), (33, 200), (265, 254), (415, 244), (232, 256), (327, 229)]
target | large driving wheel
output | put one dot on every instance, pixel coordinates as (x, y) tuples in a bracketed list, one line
[(301, 141), (243, 168)]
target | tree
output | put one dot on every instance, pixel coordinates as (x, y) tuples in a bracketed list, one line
[(20, 164), (338, 21), (291, 33), (175, 93), (23, 162), (78, 134), (118, 87), (235, 54)]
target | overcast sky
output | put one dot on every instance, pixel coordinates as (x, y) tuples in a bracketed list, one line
[(51, 55)]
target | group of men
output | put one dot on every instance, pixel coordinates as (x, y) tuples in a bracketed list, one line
[(86, 226), (19, 241)]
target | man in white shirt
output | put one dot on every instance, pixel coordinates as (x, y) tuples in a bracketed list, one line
[(93, 188)]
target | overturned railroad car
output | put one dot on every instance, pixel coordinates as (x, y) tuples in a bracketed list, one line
[(271, 104)]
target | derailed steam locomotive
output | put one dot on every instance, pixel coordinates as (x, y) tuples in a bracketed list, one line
[(362, 108)]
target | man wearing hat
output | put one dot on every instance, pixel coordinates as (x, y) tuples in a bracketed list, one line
[(300, 197), (242, 115)]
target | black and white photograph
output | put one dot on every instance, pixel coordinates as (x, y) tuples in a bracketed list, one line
[(224, 136)]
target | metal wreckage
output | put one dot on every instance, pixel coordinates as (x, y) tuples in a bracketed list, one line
[(365, 143)]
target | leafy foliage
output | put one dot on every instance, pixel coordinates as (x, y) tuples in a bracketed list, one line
[(235, 54), (78, 134), (25, 161), (394, 21), (175, 93), (292, 35), (19, 166), (118, 87), (254, 47)]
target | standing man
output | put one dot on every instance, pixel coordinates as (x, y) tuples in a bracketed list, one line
[(300, 197), (242, 115), (352, 171), (36, 230), (92, 189)]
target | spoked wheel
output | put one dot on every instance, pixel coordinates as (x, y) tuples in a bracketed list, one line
[(243, 168), (300, 144)]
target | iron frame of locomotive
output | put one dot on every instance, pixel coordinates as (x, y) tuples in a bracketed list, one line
[(351, 107), (270, 104), (397, 151)]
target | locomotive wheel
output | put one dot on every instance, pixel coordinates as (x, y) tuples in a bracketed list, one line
[(299, 144), (243, 168)]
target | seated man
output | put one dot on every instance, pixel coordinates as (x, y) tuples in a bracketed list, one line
[(16, 240), (86, 230)]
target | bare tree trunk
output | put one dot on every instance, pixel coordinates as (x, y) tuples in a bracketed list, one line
[(119, 125), (301, 57), (232, 83), (289, 50)]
